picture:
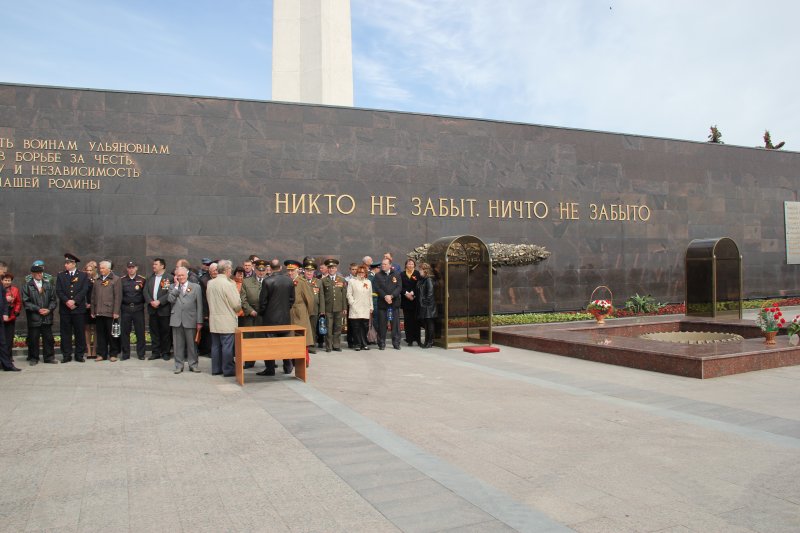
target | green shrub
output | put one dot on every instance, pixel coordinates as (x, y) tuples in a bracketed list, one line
[(642, 304)]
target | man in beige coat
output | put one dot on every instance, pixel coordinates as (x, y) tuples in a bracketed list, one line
[(223, 304)]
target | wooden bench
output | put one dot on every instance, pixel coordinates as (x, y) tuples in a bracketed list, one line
[(257, 348)]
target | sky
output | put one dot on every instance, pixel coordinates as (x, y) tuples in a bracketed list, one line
[(646, 67)]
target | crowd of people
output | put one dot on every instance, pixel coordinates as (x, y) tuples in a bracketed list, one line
[(193, 312)]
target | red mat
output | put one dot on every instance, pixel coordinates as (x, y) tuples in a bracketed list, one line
[(481, 349)]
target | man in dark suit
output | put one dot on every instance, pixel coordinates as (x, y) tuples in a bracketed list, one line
[(72, 285), (388, 286), (334, 292), (274, 305), (156, 291), (186, 319)]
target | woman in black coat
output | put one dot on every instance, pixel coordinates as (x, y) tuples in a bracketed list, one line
[(410, 279), (426, 303)]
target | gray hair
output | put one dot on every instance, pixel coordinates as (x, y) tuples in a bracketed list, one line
[(184, 269), (224, 265), (105, 264)]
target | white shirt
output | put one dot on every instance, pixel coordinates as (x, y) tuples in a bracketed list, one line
[(156, 286)]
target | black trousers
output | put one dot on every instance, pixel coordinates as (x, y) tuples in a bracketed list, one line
[(430, 332), (73, 325), (204, 348), (5, 356), (383, 324), (107, 346), (351, 340), (160, 335), (9, 332), (360, 328), (132, 318), (411, 322), (45, 331)]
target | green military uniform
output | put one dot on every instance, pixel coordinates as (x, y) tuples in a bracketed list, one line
[(318, 307), (250, 294), (334, 296)]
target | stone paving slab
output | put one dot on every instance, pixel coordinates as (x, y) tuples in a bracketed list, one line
[(409, 440)]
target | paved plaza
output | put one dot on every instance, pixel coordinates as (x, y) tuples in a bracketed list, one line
[(410, 440)]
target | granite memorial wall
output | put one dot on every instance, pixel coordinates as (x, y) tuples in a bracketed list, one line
[(119, 175)]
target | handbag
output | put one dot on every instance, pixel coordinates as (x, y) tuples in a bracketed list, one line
[(372, 335), (322, 326)]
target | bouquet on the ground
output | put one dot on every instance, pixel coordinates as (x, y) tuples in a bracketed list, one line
[(600, 308), (770, 318), (793, 327)]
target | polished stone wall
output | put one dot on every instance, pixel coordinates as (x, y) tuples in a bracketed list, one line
[(221, 183)]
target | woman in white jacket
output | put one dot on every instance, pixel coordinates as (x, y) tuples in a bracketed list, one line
[(359, 298)]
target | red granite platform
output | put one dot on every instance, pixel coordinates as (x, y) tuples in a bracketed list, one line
[(617, 343)]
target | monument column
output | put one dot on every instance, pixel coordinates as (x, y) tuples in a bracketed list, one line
[(312, 53)]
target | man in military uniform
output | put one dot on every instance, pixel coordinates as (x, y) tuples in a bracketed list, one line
[(132, 311), (72, 285), (303, 300), (318, 307), (334, 291), (250, 293), (156, 294)]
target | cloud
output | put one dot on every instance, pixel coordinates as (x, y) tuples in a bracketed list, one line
[(663, 69), (375, 78)]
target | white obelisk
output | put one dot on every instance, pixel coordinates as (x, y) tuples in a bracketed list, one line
[(312, 52)]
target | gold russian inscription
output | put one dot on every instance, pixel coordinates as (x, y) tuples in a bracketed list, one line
[(113, 159), (524, 209), (39, 157), (443, 207), (76, 158), (386, 205), (619, 212), (303, 203), (568, 211), (132, 148), (18, 182), (48, 144), (5, 142), (343, 199), (84, 171), (60, 183)]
